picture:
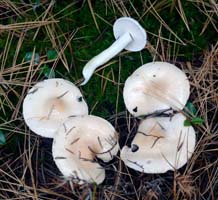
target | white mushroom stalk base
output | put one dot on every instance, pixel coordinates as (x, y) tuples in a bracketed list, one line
[(49, 103), (161, 144), (78, 141)]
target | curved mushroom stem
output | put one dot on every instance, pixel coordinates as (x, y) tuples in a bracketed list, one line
[(105, 56)]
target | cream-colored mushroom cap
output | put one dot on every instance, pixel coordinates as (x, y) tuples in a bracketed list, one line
[(49, 103), (161, 144), (78, 141), (156, 86)]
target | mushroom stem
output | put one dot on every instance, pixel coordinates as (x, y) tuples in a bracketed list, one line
[(105, 56)]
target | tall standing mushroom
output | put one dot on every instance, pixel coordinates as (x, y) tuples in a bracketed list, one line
[(49, 103), (129, 35), (161, 144), (156, 86), (78, 141)]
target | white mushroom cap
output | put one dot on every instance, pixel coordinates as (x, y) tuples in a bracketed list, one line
[(129, 25), (78, 141), (156, 86), (161, 144), (49, 103)]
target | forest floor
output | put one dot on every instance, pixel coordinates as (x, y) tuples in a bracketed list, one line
[(42, 39)]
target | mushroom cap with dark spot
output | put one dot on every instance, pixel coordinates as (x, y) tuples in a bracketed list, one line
[(156, 86), (49, 103), (163, 144)]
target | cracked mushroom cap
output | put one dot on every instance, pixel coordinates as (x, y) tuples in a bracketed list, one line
[(49, 103), (161, 144), (156, 86), (78, 141)]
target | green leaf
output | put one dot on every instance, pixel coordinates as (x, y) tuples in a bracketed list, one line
[(28, 56), (197, 121), (37, 2), (187, 123), (191, 108), (52, 54), (194, 121), (47, 71), (2, 138), (36, 5)]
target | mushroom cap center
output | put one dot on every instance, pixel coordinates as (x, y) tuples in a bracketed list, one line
[(83, 148), (59, 105), (153, 134), (55, 107)]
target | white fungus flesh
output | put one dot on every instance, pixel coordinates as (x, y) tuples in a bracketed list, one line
[(161, 144), (156, 86), (78, 141), (49, 103)]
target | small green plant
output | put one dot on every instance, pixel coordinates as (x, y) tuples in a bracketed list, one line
[(2, 138), (195, 120), (52, 54), (47, 71), (28, 56), (191, 108)]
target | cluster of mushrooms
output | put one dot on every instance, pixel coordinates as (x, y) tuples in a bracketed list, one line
[(55, 108), (156, 93)]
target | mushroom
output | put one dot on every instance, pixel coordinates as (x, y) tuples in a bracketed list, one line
[(129, 35), (78, 142), (161, 144), (156, 86), (49, 103)]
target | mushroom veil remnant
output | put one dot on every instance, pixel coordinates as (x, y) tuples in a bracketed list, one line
[(161, 144), (49, 103), (78, 142), (129, 35), (156, 86)]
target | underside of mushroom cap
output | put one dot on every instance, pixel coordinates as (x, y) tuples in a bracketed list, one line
[(49, 103), (163, 144), (156, 86), (78, 141)]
